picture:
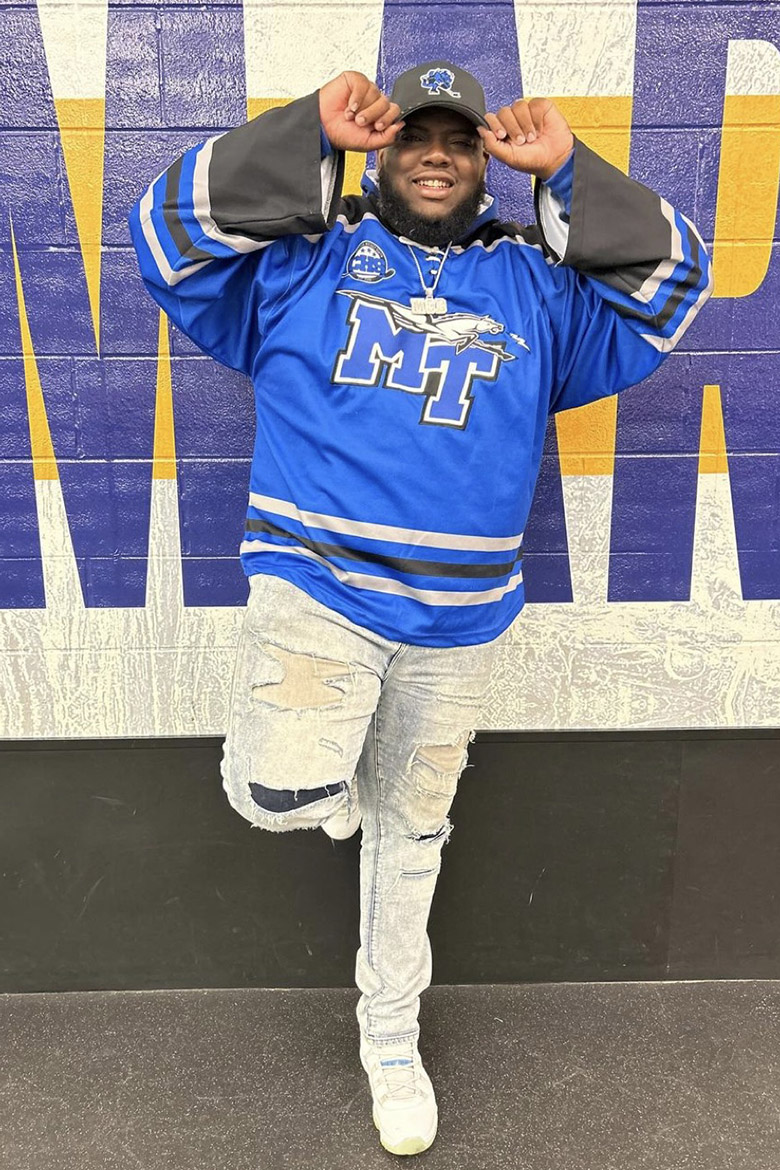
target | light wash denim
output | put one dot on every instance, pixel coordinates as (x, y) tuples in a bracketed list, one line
[(321, 708)]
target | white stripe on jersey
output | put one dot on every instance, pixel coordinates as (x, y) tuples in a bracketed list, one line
[(666, 268), (155, 247), (339, 524), (665, 344)]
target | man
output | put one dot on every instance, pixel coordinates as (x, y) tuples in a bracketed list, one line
[(406, 349)]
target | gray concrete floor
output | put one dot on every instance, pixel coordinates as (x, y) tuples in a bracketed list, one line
[(545, 1076)]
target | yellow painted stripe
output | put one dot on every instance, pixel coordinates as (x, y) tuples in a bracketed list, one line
[(586, 438), (355, 163), (82, 123), (603, 124), (164, 464), (748, 182), (712, 446), (44, 462), (586, 435), (256, 106)]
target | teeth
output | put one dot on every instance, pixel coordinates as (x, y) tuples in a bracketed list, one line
[(431, 183)]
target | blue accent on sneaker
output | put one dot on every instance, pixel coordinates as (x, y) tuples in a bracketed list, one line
[(398, 1060)]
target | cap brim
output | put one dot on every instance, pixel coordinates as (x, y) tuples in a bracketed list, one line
[(458, 107)]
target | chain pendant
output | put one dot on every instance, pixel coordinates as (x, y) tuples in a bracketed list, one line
[(428, 306)]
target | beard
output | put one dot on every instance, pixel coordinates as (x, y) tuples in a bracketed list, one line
[(434, 233)]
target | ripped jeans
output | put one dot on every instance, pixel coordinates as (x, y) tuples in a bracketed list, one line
[(323, 710)]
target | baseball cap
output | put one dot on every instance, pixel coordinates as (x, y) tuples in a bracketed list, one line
[(440, 83)]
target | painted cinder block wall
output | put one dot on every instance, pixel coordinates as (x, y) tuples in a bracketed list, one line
[(653, 551)]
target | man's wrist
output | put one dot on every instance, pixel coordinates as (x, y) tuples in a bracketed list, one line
[(551, 172)]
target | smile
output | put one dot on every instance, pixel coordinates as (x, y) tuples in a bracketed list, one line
[(433, 188)]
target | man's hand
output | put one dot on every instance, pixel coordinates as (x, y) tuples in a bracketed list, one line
[(531, 136), (356, 115)]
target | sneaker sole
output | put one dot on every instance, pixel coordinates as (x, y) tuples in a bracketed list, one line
[(410, 1145)]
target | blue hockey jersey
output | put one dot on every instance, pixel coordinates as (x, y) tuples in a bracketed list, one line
[(396, 453)]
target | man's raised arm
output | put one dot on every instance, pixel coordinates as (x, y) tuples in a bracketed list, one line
[(634, 270), (212, 231)]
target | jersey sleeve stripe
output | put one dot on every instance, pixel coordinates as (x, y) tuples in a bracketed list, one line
[(667, 344), (680, 290), (147, 217), (159, 213), (181, 199), (665, 270), (185, 246)]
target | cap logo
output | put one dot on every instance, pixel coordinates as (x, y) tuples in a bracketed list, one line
[(438, 81)]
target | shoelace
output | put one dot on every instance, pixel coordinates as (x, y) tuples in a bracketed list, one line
[(400, 1072)]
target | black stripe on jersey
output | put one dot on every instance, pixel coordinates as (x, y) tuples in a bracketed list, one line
[(401, 564), (178, 232), (658, 320)]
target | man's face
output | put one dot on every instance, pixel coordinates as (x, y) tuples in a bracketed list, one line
[(435, 164)]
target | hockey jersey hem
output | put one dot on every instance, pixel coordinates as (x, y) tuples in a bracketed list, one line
[(335, 601)]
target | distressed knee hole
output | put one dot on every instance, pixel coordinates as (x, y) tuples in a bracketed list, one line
[(440, 836), (437, 767), (280, 800), (299, 681)]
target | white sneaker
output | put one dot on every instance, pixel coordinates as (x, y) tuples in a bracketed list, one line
[(405, 1110), (342, 824)]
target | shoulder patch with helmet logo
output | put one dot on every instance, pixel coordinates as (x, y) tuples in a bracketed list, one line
[(368, 263)]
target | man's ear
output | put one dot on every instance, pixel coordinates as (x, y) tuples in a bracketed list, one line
[(379, 155)]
